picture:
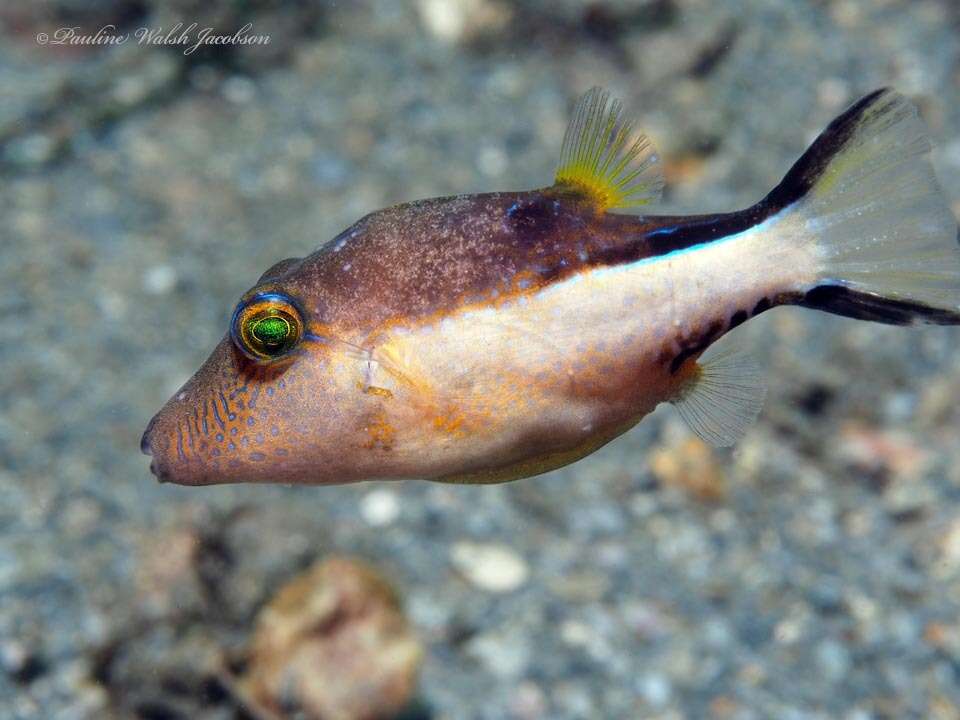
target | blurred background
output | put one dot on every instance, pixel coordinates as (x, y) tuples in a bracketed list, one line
[(811, 572)]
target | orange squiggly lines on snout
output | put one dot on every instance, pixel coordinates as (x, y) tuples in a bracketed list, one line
[(230, 426)]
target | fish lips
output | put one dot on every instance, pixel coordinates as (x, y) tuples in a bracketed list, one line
[(159, 469), (169, 470)]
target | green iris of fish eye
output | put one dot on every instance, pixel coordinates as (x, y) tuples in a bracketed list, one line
[(267, 328), (272, 330)]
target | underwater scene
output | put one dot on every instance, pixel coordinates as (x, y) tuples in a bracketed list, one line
[(479, 359)]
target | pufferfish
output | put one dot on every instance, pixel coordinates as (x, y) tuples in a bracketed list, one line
[(485, 338)]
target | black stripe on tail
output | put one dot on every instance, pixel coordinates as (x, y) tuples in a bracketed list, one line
[(808, 169), (842, 300), (669, 233)]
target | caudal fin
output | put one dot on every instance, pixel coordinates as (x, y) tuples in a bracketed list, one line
[(885, 240)]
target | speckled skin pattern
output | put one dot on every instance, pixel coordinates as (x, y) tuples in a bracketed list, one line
[(472, 339)]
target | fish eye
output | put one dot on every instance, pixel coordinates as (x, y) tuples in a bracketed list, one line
[(267, 327)]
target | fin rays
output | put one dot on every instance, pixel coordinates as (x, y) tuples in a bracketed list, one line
[(884, 236), (724, 397), (605, 159)]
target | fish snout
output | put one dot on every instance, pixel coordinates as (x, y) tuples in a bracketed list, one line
[(157, 466), (167, 443), (236, 423)]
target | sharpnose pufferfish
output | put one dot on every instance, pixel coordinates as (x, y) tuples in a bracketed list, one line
[(485, 338)]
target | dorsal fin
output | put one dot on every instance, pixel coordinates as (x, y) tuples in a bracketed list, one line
[(604, 158)]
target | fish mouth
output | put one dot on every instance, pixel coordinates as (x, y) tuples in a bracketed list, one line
[(158, 473), (145, 443), (147, 449)]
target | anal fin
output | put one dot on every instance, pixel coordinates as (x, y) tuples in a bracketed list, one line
[(723, 395)]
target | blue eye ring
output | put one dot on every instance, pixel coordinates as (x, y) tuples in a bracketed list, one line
[(267, 326)]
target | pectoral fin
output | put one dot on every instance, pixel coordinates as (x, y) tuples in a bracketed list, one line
[(723, 395)]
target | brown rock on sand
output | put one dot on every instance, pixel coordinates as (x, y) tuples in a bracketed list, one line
[(333, 644)]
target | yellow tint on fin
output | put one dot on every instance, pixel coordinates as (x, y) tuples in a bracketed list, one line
[(723, 395), (605, 159)]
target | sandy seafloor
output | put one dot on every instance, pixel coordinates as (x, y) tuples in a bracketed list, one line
[(811, 572)]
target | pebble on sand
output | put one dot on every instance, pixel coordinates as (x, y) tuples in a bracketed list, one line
[(491, 567), (380, 508), (159, 279), (692, 466)]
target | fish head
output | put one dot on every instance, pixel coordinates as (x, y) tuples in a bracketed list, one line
[(276, 401)]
